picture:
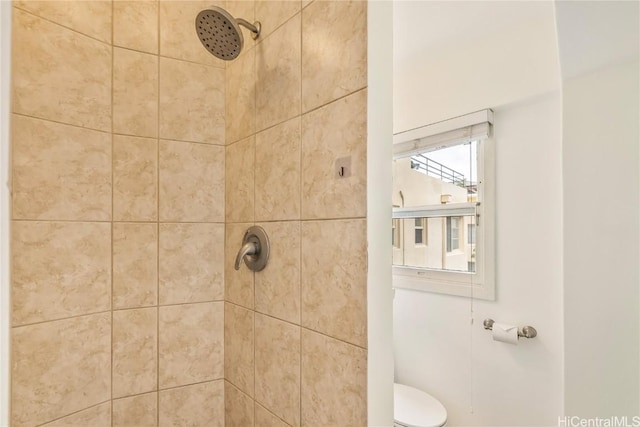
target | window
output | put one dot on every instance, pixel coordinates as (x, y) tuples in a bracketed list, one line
[(453, 231), (395, 233), (444, 189), (420, 231), (471, 234)]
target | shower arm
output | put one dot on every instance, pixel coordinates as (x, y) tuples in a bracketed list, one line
[(255, 29)]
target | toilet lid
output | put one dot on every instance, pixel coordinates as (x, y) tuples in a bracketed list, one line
[(415, 408)]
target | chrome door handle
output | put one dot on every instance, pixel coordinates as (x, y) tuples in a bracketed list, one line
[(254, 250)]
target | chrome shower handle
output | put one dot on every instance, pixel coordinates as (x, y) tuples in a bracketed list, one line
[(249, 248), (254, 250)]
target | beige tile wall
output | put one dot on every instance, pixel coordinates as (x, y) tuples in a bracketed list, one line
[(118, 234), (139, 160), (295, 333)]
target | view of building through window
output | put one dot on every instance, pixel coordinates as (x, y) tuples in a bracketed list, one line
[(430, 183)]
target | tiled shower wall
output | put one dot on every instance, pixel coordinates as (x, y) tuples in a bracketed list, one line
[(118, 187), (296, 100)]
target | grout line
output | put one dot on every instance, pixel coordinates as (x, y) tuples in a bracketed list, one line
[(128, 396), (259, 40), (300, 205), (190, 384), (158, 219), (113, 52), (81, 221), (189, 303), (266, 409), (61, 318), (191, 61), (189, 142), (304, 220), (301, 115), (73, 413), (64, 26), (326, 104), (61, 123), (300, 326)]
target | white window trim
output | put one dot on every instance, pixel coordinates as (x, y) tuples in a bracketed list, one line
[(471, 127)]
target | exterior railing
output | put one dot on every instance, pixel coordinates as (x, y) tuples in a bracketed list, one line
[(432, 168)]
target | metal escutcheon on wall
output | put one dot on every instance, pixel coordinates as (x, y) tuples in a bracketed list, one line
[(254, 250)]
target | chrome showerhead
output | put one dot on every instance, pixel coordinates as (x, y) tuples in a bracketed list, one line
[(220, 32)]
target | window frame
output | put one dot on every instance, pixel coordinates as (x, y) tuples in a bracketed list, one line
[(397, 233), (449, 233), (481, 284), (471, 234), (423, 232)]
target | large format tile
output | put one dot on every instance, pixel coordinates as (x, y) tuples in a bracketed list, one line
[(239, 178), (264, 418), (191, 344), (332, 132), (135, 351), (191, 102), (135, 93), (278, 172), (243, 9), (135, 179), (59, 368), (59, 270), (135, 265), (239, 284), (59, 74), (178, 38), (96, 416), (278, 367), (191, 263), (138, 411), (238, 407), (278, 75), (135, 24), (334, 279), (92, 18), (240, 119), (239, 347), (191, 182), (277, 287), (334, 51), (272, 14), (193, 406), (60, 172), (334, 382)]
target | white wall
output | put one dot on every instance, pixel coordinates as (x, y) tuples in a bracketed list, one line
[(600, 165), (5, 56), (515, 72), (599, 49), (471, 72), (436, 347), (379, 293)]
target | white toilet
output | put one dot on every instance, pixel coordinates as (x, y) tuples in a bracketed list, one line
[(415, 408)]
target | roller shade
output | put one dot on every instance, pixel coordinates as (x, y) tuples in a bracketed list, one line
[(460, 130), (433, 211)]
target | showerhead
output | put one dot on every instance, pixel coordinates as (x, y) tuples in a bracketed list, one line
[(220, 32)]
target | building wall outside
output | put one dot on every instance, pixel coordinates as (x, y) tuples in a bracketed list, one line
[(419, 189), (295, 333)]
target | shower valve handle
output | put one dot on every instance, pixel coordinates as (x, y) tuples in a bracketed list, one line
[(249, 248), (255, 249)]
